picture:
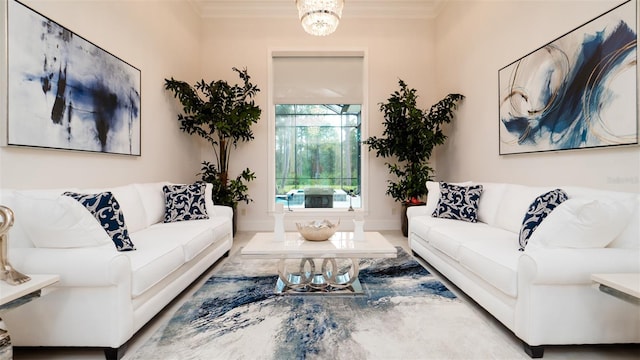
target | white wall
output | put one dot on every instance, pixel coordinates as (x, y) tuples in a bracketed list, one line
[(396, 48), (459, 52), (477, 38), (162, 39)]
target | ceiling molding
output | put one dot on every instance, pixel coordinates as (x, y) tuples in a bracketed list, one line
[(411, 9)]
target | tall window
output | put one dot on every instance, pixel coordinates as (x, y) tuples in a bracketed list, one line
[(318, 155), (317, 113)]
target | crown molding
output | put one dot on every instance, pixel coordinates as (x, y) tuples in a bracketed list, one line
[(286, 8)]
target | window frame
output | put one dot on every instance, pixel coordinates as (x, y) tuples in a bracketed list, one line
[(364, 133)]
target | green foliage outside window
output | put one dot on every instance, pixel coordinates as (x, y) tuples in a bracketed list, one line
[(317, 146)]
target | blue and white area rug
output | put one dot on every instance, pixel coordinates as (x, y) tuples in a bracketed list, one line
[(404, 313)]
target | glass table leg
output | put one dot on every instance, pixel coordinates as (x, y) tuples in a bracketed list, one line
[(330, 278)]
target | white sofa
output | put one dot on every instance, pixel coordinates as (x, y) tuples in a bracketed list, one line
[(105, 296), (543, 294)]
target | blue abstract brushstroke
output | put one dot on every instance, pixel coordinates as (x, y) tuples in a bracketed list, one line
[(308, 323), (210, 315), (566, 121), (60, 104)]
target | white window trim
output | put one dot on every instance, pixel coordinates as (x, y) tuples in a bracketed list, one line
[(315, 213)]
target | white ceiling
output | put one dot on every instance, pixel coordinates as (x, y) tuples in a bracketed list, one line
[(287, 8)]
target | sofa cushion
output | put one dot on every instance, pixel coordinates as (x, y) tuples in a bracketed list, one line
[(514, 205), (194, 236), (494, 260), (581, 223), (449, 235), (59, 222), (421, 225), (458, 202), (157, 257), (447, 239), (185, 202), (105, 208), (539, 209)]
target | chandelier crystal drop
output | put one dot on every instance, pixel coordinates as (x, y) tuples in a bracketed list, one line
[(320, 17)]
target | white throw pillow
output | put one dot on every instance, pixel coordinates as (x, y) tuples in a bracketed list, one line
[(208, 200), (514, 205), (152, 198), (132, 207), (59, 222), (490, 201), (581, 223)]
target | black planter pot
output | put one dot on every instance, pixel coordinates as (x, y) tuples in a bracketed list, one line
[(403, 216), (234, 221)]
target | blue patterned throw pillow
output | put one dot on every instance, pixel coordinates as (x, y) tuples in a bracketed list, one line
[(184, 202), (538, 211), (458, 202), (105, 208)]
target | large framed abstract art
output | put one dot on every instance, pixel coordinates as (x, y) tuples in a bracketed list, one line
[(578, 91), (65, 92)]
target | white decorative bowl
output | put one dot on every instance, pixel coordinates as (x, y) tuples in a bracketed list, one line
[(317, 230)]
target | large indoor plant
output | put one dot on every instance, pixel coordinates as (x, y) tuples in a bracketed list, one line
[(409, 137), (222, 114)]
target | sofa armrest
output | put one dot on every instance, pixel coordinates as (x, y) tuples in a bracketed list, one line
[(90, 266), (221, 210), (574, 266), (420, 210)]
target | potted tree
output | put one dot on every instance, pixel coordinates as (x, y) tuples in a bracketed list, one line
[(222, 114), (409, 137)]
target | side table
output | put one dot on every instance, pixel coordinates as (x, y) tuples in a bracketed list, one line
[(15, 295), (624, 286)]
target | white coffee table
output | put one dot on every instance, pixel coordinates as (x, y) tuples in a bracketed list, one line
[(305, 276)]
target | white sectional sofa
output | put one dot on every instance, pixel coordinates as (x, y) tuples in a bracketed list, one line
[(105, 296), (543, 294)]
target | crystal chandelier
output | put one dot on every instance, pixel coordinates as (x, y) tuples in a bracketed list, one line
[(320, 17)]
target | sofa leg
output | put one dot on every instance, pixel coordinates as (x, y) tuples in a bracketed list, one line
[(114, 353), (226, 254), (535, 352)]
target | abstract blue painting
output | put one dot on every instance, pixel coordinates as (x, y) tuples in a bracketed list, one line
[(64, 92), (578, 91)]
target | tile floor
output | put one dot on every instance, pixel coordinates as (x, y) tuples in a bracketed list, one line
[(584, 352)]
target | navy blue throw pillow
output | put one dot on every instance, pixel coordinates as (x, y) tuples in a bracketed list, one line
[(105, 208), (538, 211), (458, 202), (184, 202)]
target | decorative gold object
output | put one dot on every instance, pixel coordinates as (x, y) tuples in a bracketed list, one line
[(317, 230), (7, 273)]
